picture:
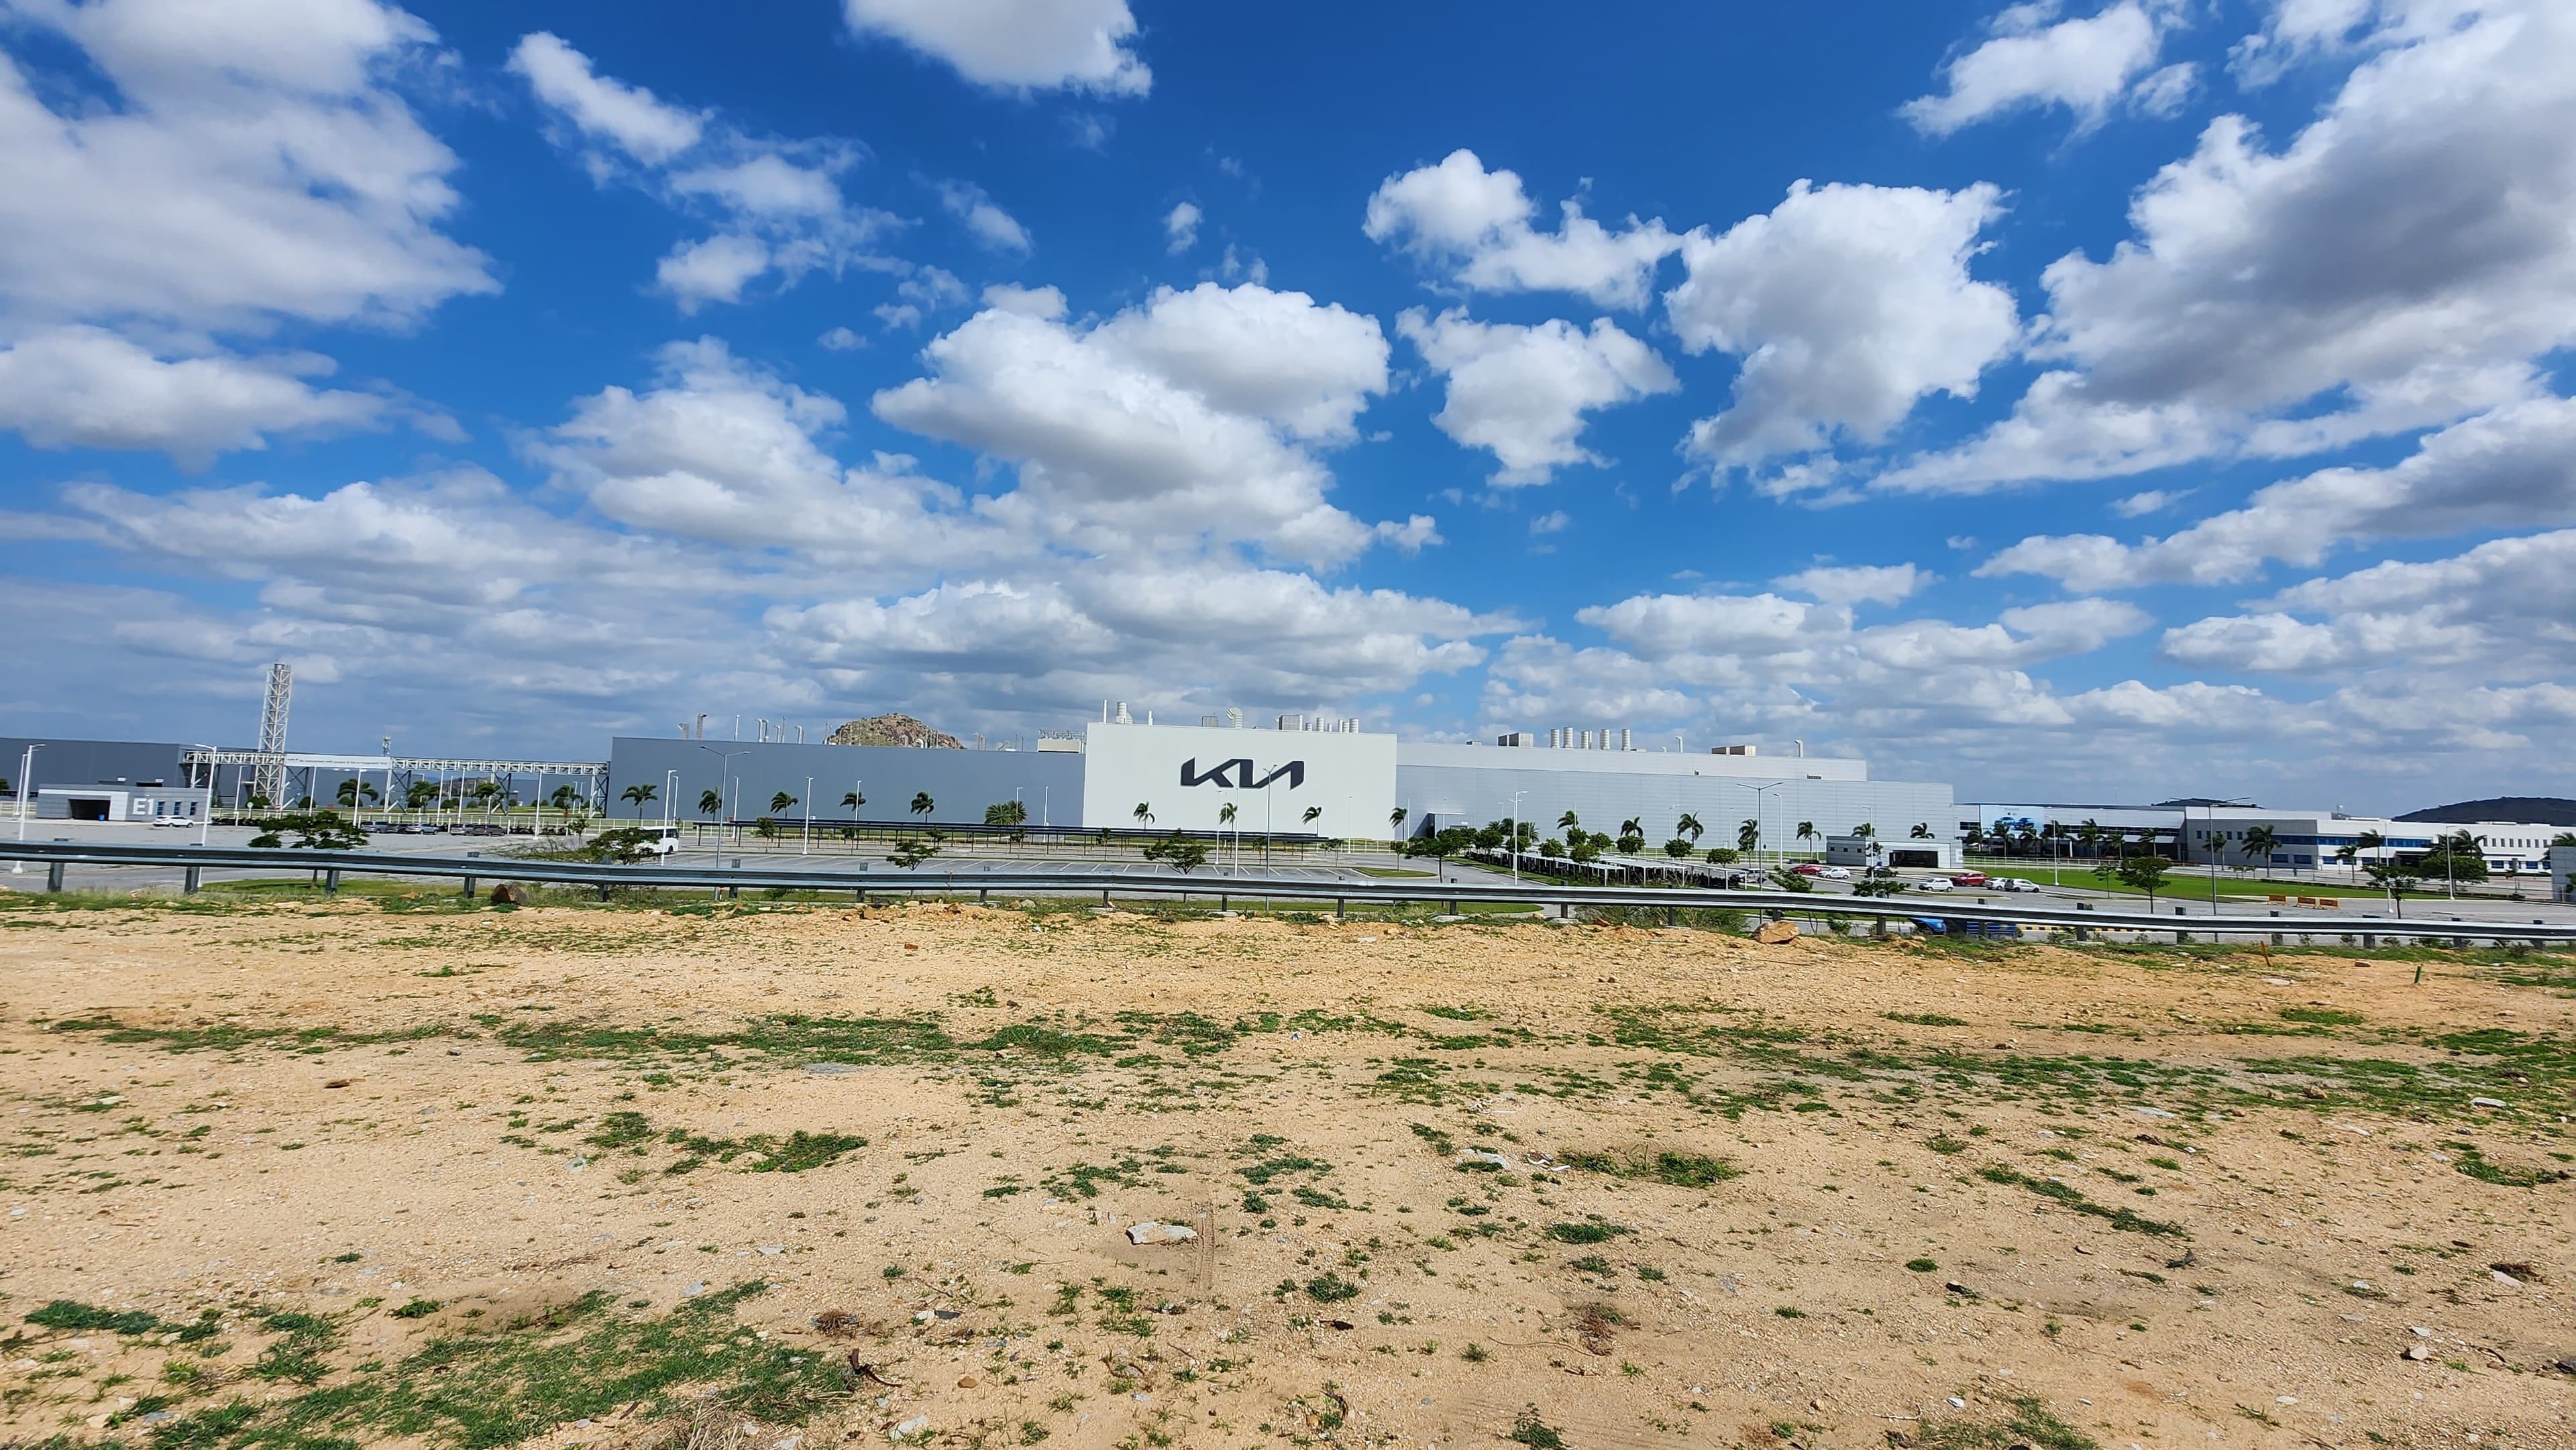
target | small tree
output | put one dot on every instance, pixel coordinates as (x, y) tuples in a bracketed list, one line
[(563, 799), (709, 803), (1788, 880), (1748, 835), (1723, 855), (1689, 826), (1441, 844), (636, 796), (1185, 856), (2144, 871), (1806, 831), (1394, 820), (1312, 815), (923, 805), (780, 803), (851, 801), (1144, 813), (1006, 813), (1677, 847), (1569, 823), (1922, 831), (2394, 877), (908, 852)]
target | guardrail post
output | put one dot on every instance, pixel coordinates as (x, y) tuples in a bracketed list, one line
[(468, 891), (1672, 916), (1341, 907), (54, 877), (188, 882), (331, 882), (983, 894)]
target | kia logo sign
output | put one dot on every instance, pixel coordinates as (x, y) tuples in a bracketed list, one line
[(1236, 774)]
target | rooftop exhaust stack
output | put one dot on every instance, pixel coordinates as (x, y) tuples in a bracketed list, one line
[(1234, 717), (1123, 717)]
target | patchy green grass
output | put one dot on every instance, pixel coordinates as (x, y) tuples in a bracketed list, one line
[(580, 1360), (2026, 1421), (1681, 1170), (2073, 1197)]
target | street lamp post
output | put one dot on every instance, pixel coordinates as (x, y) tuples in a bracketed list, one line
[(2209, 829), (1761, 827), (670, 794), (26, 766), (1516, 834), (808, 848), (725, 783)]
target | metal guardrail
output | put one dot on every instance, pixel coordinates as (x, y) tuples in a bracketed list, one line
[(949, 880)]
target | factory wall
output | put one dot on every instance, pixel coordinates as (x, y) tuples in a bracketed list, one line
[(960, 783), (1187, 774), (1439, 795)]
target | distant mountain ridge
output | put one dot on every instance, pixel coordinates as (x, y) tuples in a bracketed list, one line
[(893, 729), (2534, 809)]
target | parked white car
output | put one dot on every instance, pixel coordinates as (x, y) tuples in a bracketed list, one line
[(1836, 873), (1934, 883)]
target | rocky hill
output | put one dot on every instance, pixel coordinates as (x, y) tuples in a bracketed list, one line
[(2533, 809), (893, 729)]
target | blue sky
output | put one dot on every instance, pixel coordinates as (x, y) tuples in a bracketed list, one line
[(2067, 401)]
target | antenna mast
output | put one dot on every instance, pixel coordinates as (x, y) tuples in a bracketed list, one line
[(269, 781)]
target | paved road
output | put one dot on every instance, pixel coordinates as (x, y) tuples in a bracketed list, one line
[(779, 855)]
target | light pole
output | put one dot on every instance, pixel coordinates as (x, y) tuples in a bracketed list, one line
[(206, 818), (26, 765), (670, 793), (2209, 829), (1516, 834), (1761, 827), (725, 782), (808, 848)]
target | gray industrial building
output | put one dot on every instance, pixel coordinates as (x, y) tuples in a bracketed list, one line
[(1435, 785), (745, 777)]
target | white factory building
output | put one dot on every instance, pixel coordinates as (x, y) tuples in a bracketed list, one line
[(1354, 782)]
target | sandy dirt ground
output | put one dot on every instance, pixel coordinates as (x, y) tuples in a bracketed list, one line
[(335, 1174)]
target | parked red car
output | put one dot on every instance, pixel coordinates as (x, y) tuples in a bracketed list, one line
[(1968, 878), (1808, 868)]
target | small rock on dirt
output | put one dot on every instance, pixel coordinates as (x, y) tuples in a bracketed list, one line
[(509, 894), (1150, 1232), (2419, 1352), (1776, 933)]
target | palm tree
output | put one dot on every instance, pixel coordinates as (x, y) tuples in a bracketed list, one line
[(635, 795), (923, 805), (2366, 841), (1226, 813), (710, 801), (1806, 831), (1689, 826), (2258, 845), (1749, 835), (563, 798), (1632, 827), (1866, 830), (1394, 820), (852, 800), (2090, 834), (1313, 814), (1567, 823), (1922, 831), (779, 803)]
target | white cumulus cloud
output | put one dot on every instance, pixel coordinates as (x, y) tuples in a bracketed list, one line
[(1521, 392), (1024, 45), (1477, 222), (1847, 304), (2084, 64)]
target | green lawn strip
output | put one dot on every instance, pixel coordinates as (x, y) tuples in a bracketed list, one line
[(579, 1361)]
